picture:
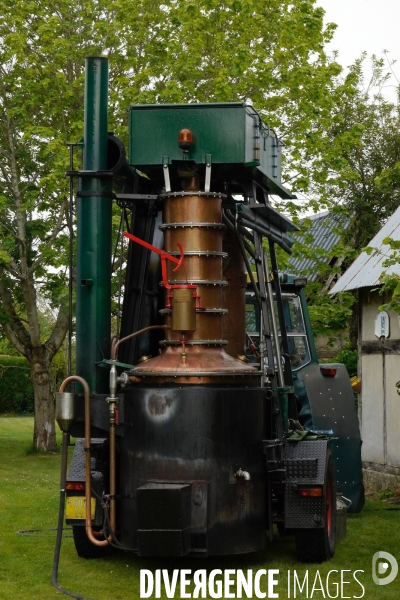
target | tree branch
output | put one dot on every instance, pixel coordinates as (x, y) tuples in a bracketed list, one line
[(59, 331), (14, 329), (49, 241)]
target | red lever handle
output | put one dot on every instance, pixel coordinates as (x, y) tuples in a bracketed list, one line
[(181, 259), (164, 257), (162, 253)]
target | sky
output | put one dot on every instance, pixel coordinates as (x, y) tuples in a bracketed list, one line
[(370, 25)]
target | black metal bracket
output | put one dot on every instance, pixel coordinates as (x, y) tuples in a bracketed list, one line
[(95, 194), (273, 450), (84, 174), (136, 196)]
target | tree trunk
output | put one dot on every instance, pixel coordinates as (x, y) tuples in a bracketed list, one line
[(44, 435)]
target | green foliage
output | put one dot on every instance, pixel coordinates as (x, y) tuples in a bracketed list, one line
[(390, 280), (16, 393), (328, 314), (385, 494), (349, 357), (356, 174), (6, 348)]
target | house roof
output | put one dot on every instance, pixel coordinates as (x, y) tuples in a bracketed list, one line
[(366, 269), (324, 239)]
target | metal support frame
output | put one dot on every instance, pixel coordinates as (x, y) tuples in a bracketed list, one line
[(167, 180), (207, 183), (71, 147), (278, 294), (267, 320), (268, 332)]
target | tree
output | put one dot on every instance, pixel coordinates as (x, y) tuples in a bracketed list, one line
[(390, 278), (356, 174), (178, 51), (324, 262), (365, 147), (40, 110)]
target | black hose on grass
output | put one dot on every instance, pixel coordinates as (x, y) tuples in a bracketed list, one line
[(37, 532), (59, 529)]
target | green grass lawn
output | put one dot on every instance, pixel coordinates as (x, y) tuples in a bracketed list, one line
[(29, 494)]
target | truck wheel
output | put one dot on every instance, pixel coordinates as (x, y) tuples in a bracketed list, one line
[(84, 547), (318, 545)]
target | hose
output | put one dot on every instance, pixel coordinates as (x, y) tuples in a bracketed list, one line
[(38, 532)]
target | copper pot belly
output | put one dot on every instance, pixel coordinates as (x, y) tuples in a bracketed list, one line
[(210, 364)]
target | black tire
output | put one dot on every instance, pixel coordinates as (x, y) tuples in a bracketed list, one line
[(84, 547), (318, 545)]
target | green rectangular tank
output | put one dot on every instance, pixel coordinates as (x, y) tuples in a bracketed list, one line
[(229, 133)]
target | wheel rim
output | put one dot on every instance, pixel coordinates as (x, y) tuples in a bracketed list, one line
[(328, 507)]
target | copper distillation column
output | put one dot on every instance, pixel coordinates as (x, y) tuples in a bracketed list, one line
[(193, 352)]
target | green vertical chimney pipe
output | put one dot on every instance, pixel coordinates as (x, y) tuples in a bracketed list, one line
[(94, 205)]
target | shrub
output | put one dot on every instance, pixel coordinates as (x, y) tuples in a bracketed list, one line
[(16, 391), (349, 358)]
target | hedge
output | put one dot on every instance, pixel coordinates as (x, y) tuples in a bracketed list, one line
[(16, 391)]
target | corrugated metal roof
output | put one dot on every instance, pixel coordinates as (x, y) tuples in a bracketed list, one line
[(324, 239), (366, 269)]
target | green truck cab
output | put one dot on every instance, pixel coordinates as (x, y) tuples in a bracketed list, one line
[(324, 396)]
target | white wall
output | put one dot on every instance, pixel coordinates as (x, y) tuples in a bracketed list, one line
[(379, 401), (371, 301), (372, 409), (392, 409)]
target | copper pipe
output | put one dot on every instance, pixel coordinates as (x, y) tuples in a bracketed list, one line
[(88, 466), (183, 354), (192, 183), (114, 350), (114, 340)]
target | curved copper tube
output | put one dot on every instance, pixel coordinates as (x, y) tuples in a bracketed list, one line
[(88, 467), (114, 340), (114, 349)]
